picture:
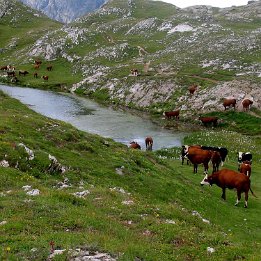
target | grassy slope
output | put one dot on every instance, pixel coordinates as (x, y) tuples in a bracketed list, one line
[(161, 190)]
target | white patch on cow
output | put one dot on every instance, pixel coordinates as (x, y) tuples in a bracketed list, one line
[(245, 204), (240, 153), (204, 181)]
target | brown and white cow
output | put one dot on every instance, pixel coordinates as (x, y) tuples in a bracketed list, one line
[(198, 156), (230, 179), (192, 89), (246, 104), (245, 168), (172, 114), (135, 145), (216, 160), (148, 143), (229, 102), (211, 120)]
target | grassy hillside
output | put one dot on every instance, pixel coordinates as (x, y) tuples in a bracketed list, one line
[(137, 205)]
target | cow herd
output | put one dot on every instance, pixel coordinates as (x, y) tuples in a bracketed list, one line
[(12, 73), (224, 178), (210, 120)]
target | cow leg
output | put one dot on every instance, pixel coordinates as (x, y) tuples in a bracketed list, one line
[(195, 168), (246, 199), (205, 168), (223, 193), (238, 197)]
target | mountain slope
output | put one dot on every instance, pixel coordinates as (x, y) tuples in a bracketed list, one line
[(102, 196), (64, 10), (218, 49)]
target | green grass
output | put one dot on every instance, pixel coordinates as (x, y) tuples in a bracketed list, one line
[(160, 188)]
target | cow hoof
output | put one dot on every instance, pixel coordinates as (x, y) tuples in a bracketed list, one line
[(245, 206)]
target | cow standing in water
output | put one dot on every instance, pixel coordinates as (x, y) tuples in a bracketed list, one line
[(230, 179), (149, 143)]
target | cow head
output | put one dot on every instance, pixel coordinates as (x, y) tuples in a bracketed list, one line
[(240, 154), (207, 180), (185, 149)]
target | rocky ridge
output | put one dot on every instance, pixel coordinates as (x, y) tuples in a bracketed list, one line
[(212, 40)]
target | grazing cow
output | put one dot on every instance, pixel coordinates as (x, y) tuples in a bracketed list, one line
[(3, 68), (23, 73), (149, 143), (134, 72), (35, 75), (222, 151), (216, 160), (45, 77), (49, 68), (38, 62), (246, 104), (245, 168), (135, 145), (192, 89), (11, 74), (36, 66), (229, 102), (199, 156), (170, 114), (230, 179), (243, 156), (209, 121), (14, 79)]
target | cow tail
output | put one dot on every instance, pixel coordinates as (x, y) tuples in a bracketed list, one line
[(253, 193)]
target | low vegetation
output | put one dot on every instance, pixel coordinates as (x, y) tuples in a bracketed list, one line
[(100, 195), (130, 204)]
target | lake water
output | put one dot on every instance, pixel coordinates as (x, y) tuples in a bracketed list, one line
[(91, 117)]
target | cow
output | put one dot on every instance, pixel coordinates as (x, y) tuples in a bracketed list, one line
[(45, 77), (35, 75), (216, 160), (170, 114), (148, 143), (243, 156), (36, 66), (198, 156), (3, 68), (229, 102), (222, 151), (134, 72), (246, 104), (23, 73), (49, 68), (135, 145), (192, 89), (230, 179), (37, 62), (184, 152), (211, 120), (11, 74), (245, 168)]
